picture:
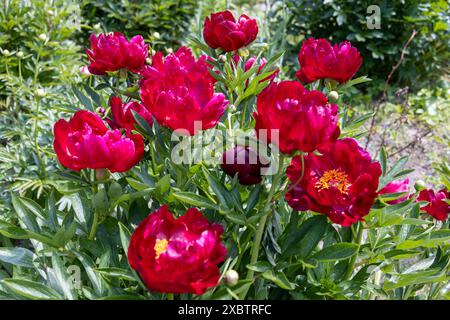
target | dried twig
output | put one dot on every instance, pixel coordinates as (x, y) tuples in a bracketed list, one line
[(386, 86), (412, 143)]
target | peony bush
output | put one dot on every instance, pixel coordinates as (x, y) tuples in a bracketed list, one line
[(205, 173)]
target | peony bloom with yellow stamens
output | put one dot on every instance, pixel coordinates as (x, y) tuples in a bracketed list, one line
[(341, 182), (177, 255)]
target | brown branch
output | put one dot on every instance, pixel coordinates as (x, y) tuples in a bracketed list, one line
[(411, 144), (386, 85)]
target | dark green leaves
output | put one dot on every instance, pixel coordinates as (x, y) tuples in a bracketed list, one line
[(195, 200), (85, 101), (17, 256), (31, 290), (279, 278), (338, 251), (301, 240)]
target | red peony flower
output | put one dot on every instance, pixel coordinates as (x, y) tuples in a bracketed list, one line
[(111, 52), (123, 115), (305, 119), (396, 186), (340, 183), (85, 142), (245, 162), (319, 60), (221, 30), (437, 207), (177, 256), (179, 91)]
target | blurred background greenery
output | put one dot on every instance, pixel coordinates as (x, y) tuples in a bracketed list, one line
[(43, 42)]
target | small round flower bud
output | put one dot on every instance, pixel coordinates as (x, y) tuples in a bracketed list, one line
[(333, 96), (148, 60), (153, 52), (264, 47), (97, 26), (85, 71), (222, 58), (19, 54), (420, 185), (169, 50), (6, 52), (43, 37), (101, 174), (40, 93), (243, 52), (50, 12), (231, 277), (101, 111), (232, 108), (156, 35), (115, 190)]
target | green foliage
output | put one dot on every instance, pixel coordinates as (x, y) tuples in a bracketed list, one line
[(164, 23), (39, 60), (426, 59)]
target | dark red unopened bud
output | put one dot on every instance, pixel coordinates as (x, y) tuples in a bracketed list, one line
[(245, 162)]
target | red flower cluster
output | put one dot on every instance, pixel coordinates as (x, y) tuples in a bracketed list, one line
[(245, 162), (178, 90), (111, 52), (396, 186), (340, 183), (85, 142), (177, 256), (305, 119), (436, 207), (319, 60), (221, 30), (123, 115)]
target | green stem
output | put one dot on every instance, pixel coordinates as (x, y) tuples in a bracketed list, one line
[(20, 69), (94, 227), (95, 221), (244, 112), (152, 154), (357, 239), (230, 124), (35, 140), (262, 223)]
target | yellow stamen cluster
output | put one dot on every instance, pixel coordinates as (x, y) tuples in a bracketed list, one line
[(335, 178), (160, 247)]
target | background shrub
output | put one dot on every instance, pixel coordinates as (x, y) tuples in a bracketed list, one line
[(427, 58), (39, 61), (162, 22)]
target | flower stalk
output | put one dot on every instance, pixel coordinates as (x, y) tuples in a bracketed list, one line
[(356, 239), (262, 223)]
